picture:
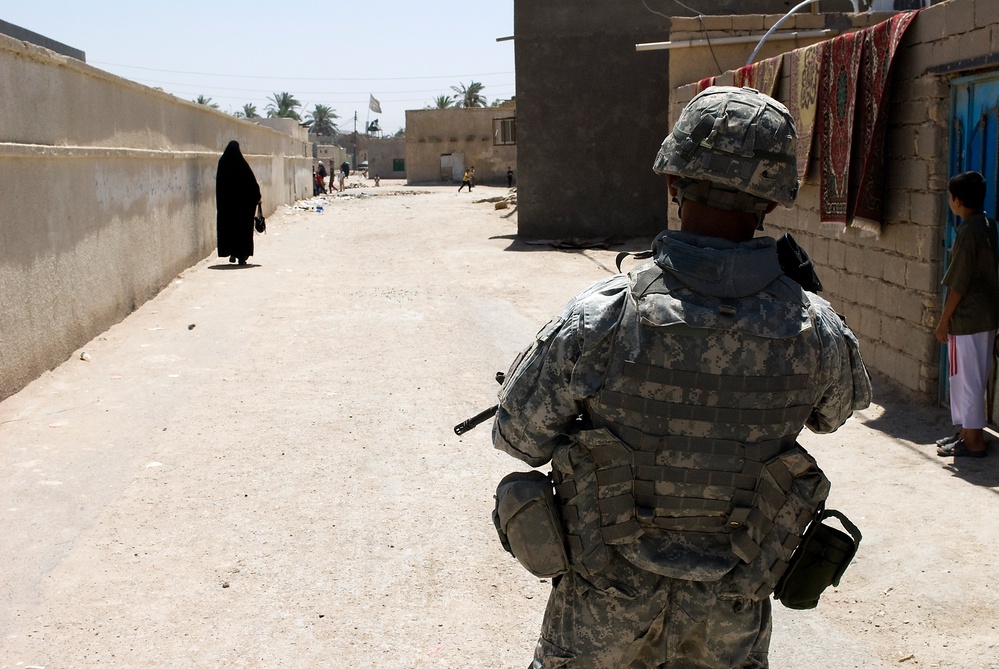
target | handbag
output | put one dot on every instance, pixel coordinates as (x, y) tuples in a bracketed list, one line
[(259, 224)]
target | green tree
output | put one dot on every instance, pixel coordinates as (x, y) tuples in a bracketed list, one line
[(202, 100), (442, 102), (469, 96), (321, 121), (400, 133), (283, 105), (250, 111)]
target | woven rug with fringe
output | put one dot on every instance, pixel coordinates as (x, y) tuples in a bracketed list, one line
[(763, 76), (805, 68), (866, 200), (837, 104)]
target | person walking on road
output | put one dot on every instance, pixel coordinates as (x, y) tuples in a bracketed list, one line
[(668, 401), (237, 195), (970, 315)]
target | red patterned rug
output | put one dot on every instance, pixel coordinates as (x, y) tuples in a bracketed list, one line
[(837, 103), (865, 203), (706, 82), (763, 76), (804, 68)]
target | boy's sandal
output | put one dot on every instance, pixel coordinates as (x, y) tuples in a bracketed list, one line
[(959, 449), (944, 441)]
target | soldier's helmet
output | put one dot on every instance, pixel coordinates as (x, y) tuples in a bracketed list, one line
[(739, 140)]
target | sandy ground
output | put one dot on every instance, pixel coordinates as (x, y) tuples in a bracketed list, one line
[(257, 469)]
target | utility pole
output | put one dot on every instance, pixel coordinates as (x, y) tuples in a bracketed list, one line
[(353, 161)]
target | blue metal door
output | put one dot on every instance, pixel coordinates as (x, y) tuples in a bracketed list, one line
[(974, 143)]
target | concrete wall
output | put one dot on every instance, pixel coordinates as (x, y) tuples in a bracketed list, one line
[(887, 287), (592, 112), (382, 154), (431, 133), (107, 192)]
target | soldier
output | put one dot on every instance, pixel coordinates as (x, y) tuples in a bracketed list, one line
[(669, 400)]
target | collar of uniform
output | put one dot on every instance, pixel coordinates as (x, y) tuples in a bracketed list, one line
[(715, 266)]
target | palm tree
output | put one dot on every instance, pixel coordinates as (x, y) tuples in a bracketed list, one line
[(469, 96), (250, 111), (442, 102), (202, 100), (320, 120), (283, 105)]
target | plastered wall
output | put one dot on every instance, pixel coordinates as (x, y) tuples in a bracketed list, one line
[(887, 287), (107, 192)]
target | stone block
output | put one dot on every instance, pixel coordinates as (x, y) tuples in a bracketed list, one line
[(958, 17), (927, 207), (748, 22), (883, 358), (986, 13), (715, 23), (817, 248), (837, 254), (865, 289), (922, 276), (903, 142), (855, 259), (928, 27), (894, 269), (907, 372), (976, 43), (896, 204), (945, 51), (869, 324), (874, 263)]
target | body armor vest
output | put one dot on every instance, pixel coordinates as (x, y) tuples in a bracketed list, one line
[(692, 467)]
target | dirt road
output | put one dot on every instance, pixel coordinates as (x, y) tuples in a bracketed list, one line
[(257, 469)]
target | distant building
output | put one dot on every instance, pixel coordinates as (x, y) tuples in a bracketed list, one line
[(17, 32), (442, 143)]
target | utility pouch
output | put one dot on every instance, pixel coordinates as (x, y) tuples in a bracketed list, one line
[(819, 561), (527, 521)]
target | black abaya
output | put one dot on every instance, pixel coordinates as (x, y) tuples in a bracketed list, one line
[(236, 198)]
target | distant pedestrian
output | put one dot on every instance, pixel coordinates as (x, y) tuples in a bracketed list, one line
[(509, 177), (237, 195), (471, 178), (321, 171), (345, 169), (339, 178), (466, 180)]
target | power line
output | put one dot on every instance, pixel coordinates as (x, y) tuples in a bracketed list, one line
[(252, 76)]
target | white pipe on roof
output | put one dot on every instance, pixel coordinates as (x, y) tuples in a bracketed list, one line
[(743, 39)]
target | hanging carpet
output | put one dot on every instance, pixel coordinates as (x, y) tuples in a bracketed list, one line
[(763, 76), (867, 178), (804, 68)]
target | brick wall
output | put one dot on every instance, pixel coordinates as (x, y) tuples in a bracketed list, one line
[(887, 287)]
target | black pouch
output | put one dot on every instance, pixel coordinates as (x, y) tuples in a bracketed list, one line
[(819, 561), (527, 521)]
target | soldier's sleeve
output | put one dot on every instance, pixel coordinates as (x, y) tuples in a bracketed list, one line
[(544, 391), (843, 380)]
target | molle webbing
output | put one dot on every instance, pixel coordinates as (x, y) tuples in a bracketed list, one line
[(699, 412), (717, 382)]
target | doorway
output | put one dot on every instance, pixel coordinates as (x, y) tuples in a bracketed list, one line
[(974, 142)]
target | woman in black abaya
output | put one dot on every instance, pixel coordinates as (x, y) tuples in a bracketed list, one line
[(236, 198)]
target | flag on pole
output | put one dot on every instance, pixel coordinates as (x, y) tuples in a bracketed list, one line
[(374, 105)]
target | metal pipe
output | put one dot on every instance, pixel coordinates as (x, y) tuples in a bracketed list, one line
[(743, 39), (752, 56)]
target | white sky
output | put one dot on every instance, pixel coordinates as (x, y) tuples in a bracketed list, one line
[(405, 53)]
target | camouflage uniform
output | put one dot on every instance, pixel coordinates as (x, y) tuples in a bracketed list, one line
[(662, 598), (668, 402)]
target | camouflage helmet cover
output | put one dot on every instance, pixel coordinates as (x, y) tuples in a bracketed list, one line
[(737, 138)]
